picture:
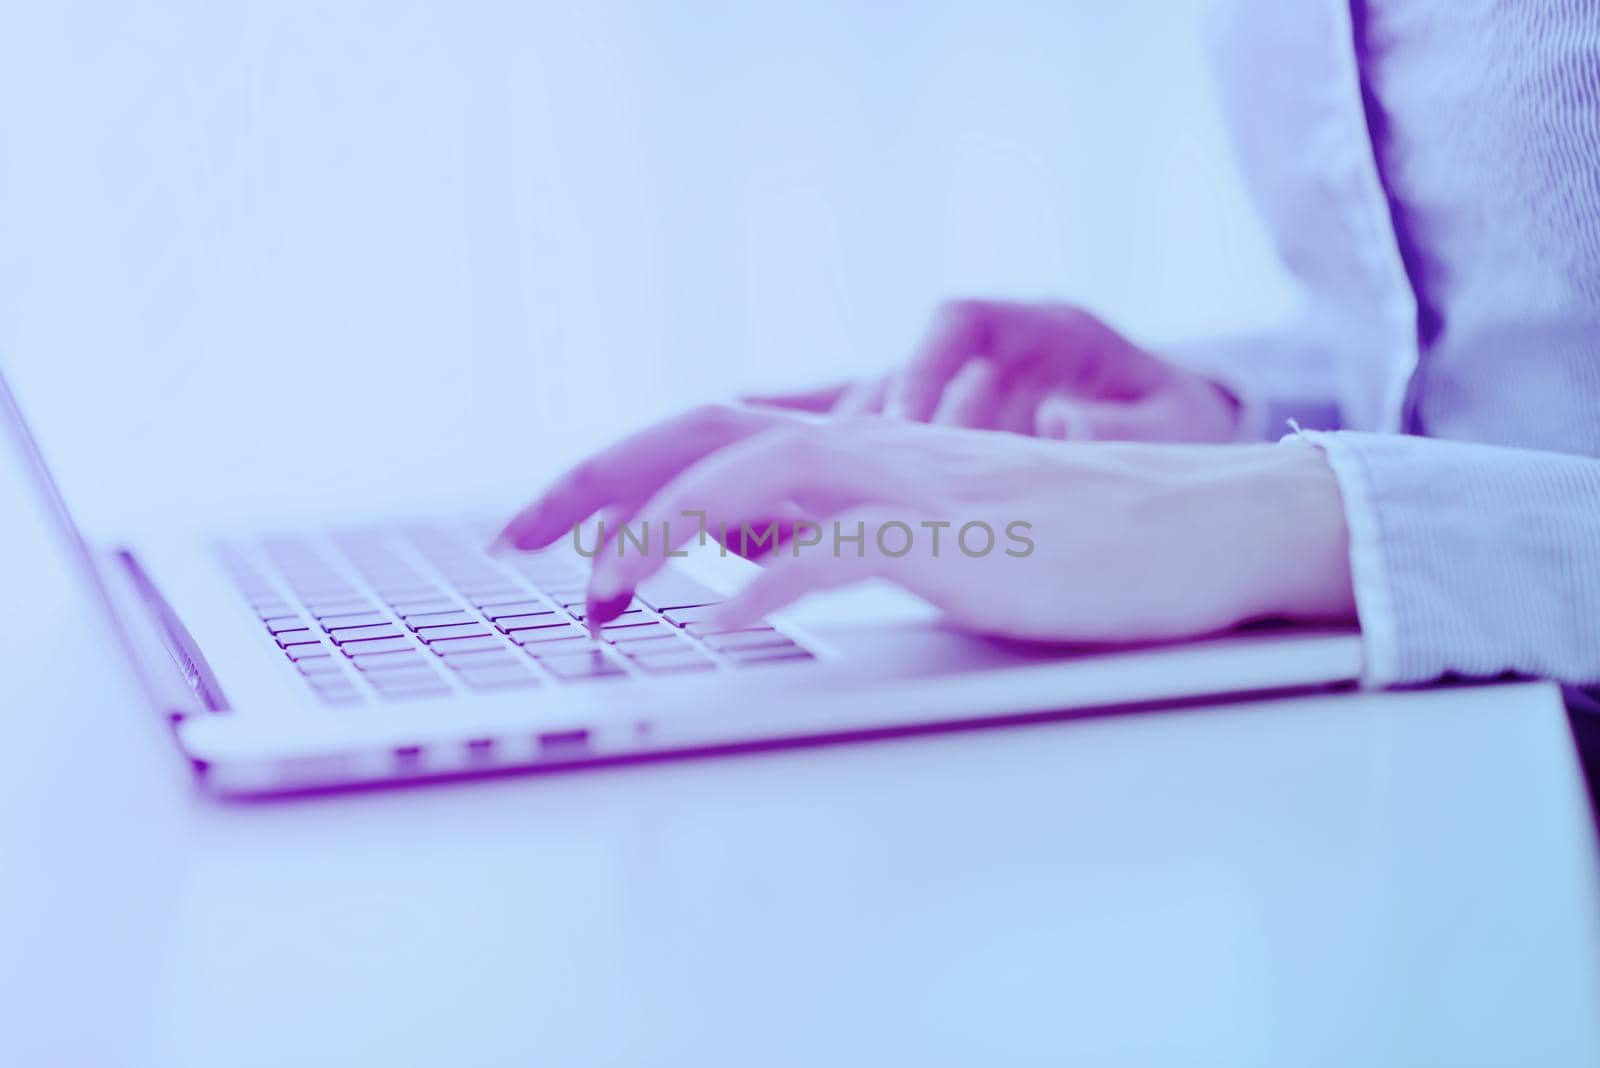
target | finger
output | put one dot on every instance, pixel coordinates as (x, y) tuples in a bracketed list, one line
[(863, 398), (727, 491), (1071, 419), (1094, 360), (819, 401), (1017, 410), (754, 478), (790, 576), (972, 397), (960, 331), (1029, 357), (629, 471), (1058, 419), (601, 532), (785, 525)]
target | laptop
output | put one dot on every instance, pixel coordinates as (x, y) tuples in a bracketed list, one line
[(376, 652)]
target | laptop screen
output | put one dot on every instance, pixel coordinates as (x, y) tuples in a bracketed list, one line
[(66, 527)]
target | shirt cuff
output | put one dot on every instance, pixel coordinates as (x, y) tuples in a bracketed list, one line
[(1469, 560), (1374, 599)]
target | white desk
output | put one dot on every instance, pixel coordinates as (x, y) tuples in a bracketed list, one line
[(1349, 880)]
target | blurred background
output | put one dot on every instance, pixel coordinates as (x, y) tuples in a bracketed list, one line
[(269, 257)]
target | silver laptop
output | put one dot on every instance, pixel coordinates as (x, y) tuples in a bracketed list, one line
[(365, 653)]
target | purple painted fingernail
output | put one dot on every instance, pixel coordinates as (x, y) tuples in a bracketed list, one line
[(600, 610)]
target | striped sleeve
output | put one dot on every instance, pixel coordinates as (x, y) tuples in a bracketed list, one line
[(1470, 560)]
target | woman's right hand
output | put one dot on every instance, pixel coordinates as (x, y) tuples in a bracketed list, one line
[(1049, 370)]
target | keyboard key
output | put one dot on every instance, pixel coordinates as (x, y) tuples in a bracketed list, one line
[(374, 646), (379, 663), (629, 637), (633, 613), (769, 656), (319, 665), (495, 589), (388, 569), (488, 579), (577, 641), (415, 607), (453, 630), (746, 639), (407, 591), (407, 659), (305, 651), (673, 589), (414, 693), (327, 682), (645, 644), (352, 621), (269, 609), (463, 582), (408, 677), (532, 621), (581, 666), (419, 620), (497, 610), (472, 644), (339, 606), (323, 589), (626, 629), (679, 617), (546, 570), (469, 658), (297, 636), (663, 663), (496, 678), (706, 630), (542, 635), (362, 634), (337, 688), (288, 623)]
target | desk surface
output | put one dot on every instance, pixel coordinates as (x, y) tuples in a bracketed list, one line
[(1360, 879)]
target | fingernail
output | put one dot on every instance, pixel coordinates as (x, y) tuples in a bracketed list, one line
[(601, 610)]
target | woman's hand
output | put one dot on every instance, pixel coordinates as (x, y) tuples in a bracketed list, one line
[(1029, 539), (1049, 370)]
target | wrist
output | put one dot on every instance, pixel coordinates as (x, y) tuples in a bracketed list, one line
[(1294, 558), (1313, 577)]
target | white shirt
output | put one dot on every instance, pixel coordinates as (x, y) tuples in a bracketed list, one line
[(1431, 172)]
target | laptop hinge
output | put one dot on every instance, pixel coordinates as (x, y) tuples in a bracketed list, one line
[(199, 684)]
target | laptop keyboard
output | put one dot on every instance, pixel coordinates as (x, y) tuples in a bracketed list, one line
[(425, 612)]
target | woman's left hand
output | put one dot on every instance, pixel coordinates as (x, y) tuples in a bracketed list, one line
[(1008, 536)]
